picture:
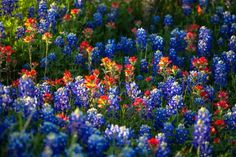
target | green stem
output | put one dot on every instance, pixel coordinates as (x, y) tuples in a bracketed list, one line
[(46, 60)]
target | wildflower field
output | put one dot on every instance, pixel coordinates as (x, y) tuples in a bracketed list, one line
[(118, 78)]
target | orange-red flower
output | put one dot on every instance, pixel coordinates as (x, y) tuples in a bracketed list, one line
[(103, 101), (75, 11)]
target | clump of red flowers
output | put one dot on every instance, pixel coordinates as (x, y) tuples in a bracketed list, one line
[(201, 64), (153, 144), (6, 53)]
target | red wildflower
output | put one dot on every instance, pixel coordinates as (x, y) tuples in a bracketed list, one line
[(213, 130), (153, 142), (222, 104), (84, 45), (219, 122), (63, 116), (115, 5), (15, 83), (223, 95), (216, 140), (67, 17), (47, 97), (75, 11), (103, 101)]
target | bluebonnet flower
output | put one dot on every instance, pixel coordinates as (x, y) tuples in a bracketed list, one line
[(174, 103), (5, 96), (232, 43), (31, 12), (161, 117), (168, 130), (168, 20), (230, 119), (187, 10), (229, 57), (95, 118), (219, 72), (52, 57), (127, 152), (52, 17), (43, 62), (142, 147), (79, 4), (90, 24), (215, 19), (19, 143), (2, 31), (67, 50), (48, 127), (219, 10), (225, 31), (6, 124), (171, 88), (97, 145), (72, 40), (102, 8), (156, 58), (227, 17), (43, 26), (42, 9), (79, 59), (163, 149), (233, 29), (177, 40), (80, 93), (203, 3), (85, 130), (155, 19), (57, 142), (176, 60), (97, 53), (74, 150), (26, 86), (110, 48), (182, 134), (189, 117), (112, 16), (113, 95), (195, 78), (59, 41), (220, 41), (144, 66), (8, 6), (126, 45), (97, 18), (205, 42), (187, 2), (132, 90), (20, 32), (141, 38), (201, 132), (26, 105), (199, 101), (145, 130), (119, 134), (154, 100), (61, 102), (210, 92), (157, 42)]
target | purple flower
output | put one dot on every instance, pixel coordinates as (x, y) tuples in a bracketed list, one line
[(61, 102), (201, 134), (205, 42), (141, 39)]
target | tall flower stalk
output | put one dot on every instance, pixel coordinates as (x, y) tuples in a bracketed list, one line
[(47, 38)]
